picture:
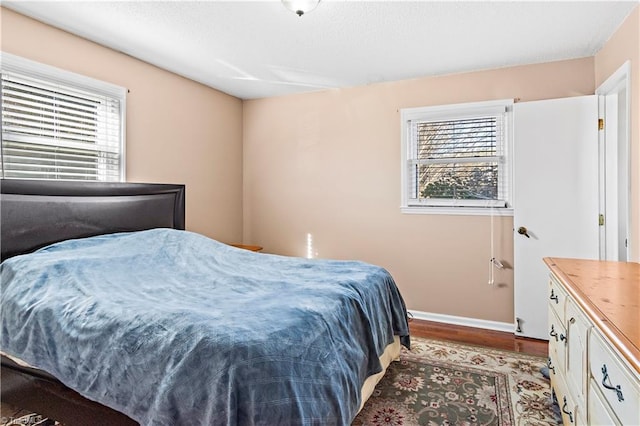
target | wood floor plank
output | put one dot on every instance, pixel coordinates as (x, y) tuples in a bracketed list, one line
[(478, 336)]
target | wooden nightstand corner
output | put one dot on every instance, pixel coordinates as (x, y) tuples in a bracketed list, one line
[(247, 247)]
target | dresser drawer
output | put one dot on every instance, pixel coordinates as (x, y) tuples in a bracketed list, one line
[(577, 327), (568, 408), (557, 331), (614, 380), (599, 412), (557, 297), (557, 343)]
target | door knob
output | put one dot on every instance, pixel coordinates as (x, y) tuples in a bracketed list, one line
[(523, 231)]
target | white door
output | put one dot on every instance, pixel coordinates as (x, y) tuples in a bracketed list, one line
[(555, 197)]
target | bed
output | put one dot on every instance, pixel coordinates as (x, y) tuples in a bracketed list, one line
[(112, 313)]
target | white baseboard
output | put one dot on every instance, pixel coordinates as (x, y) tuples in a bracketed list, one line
[(464, 321)]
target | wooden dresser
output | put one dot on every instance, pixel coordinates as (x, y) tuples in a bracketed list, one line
[(594, 340)]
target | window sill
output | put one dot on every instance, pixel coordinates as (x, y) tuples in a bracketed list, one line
[(460, 211)]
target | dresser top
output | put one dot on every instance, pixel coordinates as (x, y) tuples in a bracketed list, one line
[(609, 293)]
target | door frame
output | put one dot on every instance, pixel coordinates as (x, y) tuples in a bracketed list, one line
[(615, 243)]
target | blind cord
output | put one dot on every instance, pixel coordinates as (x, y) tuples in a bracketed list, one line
[(495, 263), (491, 274)]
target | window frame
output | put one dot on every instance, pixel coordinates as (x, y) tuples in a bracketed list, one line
[(457, 112), (31, 69)]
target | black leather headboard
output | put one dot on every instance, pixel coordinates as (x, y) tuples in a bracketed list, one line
[(36, 213)]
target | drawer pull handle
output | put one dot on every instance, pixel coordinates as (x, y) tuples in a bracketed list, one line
[(550, 366), (553, 333), (554, 297), (564, 409), (616, 389)]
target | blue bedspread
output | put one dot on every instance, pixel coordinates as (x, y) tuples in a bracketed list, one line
[(173, 328)]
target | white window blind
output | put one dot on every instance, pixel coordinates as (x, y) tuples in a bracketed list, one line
[(456, 156), (57, 125)]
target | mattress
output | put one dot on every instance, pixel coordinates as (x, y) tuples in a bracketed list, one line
[(390, 354)]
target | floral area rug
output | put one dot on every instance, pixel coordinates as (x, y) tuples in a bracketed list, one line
[(446, 383)]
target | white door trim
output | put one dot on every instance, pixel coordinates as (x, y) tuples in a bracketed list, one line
[(615, 207)]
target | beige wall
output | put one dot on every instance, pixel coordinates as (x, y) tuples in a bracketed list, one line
[(178, 131), (622, 46), (328, 164)]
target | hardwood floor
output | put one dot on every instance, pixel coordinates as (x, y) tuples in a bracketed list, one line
[(478, 336)]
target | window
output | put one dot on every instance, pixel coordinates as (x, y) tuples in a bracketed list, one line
[(59, 125), (456, 158)]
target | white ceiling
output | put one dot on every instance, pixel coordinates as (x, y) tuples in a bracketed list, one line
[(255, 49)]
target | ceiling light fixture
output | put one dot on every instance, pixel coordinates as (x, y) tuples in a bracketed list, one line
[(300, 7)]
